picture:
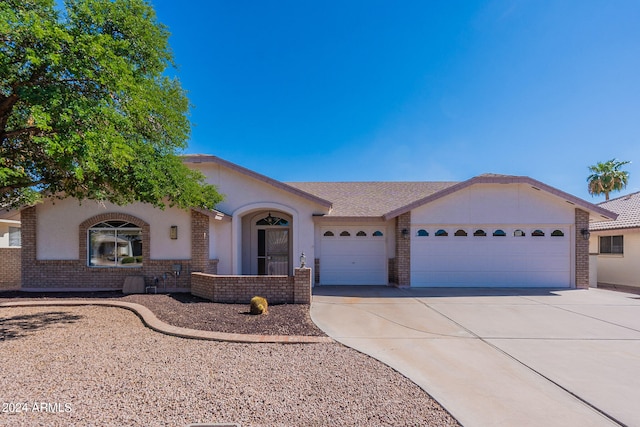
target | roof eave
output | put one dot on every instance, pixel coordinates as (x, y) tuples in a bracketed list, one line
[(201, 158)]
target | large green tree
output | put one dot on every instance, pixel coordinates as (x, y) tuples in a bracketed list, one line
[(607, 177), (86, 109)]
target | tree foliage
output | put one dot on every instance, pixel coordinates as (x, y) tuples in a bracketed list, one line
[(86, 110), (607, 177)]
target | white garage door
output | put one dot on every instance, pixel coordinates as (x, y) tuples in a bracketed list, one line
[(353, 256), (514, 257)]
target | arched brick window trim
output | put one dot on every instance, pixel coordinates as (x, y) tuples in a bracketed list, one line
[(113, 216)]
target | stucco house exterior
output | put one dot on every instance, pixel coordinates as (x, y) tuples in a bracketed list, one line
[(491, 230), (617, 243)]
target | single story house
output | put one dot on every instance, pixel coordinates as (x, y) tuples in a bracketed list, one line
[(491, 230), (617, 243)]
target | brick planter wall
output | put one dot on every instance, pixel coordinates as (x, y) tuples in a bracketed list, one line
[(10, 267), (240, 289)]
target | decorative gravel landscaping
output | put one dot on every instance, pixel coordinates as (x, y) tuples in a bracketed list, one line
[(189, 311), (67, 366)]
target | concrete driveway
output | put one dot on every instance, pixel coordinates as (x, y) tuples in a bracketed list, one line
[(500, 357)]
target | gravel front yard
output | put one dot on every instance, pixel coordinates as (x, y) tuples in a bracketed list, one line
[(101, 366), (188, 311)]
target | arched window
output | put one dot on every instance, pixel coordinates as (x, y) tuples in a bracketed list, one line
[(557, 233), (361, 234), (378, 233), (518, 233), (345, 234), (460, 233), (272, 220), (422, 233), (328, 234), (479, 233), (115, 244), (499, 233), (537, 233), (442, 233)]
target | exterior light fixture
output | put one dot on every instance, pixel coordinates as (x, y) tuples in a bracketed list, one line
[(585, 234), (405, 233), (173, 232), (303, 260)]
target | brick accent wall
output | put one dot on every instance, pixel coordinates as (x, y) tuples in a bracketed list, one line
[(76, 274), (403, 250), (200, 242), (240, 289), (392, 271), (316, 271), (582, 250), (10, 267)]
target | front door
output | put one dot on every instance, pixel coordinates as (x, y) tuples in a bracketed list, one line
[(273, 252)]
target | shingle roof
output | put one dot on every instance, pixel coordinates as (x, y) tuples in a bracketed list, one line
[(628, 210), (370, 199)]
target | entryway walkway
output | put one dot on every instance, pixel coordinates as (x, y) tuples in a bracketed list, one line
[(500, 357)]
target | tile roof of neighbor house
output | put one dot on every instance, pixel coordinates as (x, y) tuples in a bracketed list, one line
[(628, 210), (370, 199)]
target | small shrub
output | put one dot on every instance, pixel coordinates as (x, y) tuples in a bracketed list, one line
[(259, 305), (128, 260), (139, 259)]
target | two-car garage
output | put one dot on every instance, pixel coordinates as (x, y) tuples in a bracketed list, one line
[(515, 256)]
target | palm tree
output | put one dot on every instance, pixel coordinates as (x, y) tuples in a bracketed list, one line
[(606, 177)]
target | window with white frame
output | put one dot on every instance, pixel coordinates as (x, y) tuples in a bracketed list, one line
[(15, 238), (115, 244), (611, 244)]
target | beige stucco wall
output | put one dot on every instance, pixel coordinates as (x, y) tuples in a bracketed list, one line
[(245, 195), (496, 204), (59, 220), (619, 269)]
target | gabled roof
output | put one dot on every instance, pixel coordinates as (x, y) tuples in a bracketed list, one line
[(491, 178), (387, 200), (628, 210), (205, 158), (370, 199)]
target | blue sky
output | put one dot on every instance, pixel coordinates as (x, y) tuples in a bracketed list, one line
[(412, 90)]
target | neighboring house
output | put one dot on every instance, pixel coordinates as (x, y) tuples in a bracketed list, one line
[(617, 243), (10, 244), (491, 230)]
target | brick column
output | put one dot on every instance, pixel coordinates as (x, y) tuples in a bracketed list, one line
[(403, 250), (302, 286), (582, 250), (199, 241), (28, 218)]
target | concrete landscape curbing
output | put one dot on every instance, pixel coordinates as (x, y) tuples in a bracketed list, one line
[(151, 321)]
